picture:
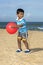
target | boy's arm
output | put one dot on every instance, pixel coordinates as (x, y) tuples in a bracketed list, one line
[(17, 26), (20, 25), (23, 23)]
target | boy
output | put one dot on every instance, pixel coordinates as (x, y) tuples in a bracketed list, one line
[(22, 31)]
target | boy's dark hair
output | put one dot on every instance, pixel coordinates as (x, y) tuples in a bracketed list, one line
[(19, 10)]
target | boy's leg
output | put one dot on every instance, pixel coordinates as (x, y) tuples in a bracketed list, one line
[(19, 43), (24, 39), (25, 43)]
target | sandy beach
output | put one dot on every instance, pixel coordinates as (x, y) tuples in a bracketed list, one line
[(8, 47)]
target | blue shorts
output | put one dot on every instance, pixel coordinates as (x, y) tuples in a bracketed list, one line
[(23, 35)]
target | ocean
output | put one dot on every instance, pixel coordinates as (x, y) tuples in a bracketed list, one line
[(30, 25)]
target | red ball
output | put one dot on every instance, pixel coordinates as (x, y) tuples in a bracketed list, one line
[(9, 28)]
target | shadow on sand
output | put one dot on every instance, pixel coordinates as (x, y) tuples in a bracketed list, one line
[(36, 49)]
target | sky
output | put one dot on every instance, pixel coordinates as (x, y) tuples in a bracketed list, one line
[(33, 10)]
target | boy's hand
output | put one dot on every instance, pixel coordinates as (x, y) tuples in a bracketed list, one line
[(13, 27)]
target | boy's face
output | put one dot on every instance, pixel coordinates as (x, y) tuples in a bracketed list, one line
[(20, 15)]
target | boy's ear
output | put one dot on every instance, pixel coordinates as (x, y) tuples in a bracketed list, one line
[(16, 14)]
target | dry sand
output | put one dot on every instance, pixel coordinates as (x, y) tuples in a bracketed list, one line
[(8, 47)]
